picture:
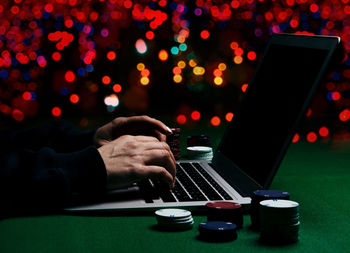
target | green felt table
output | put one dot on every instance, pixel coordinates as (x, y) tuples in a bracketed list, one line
[(316, 175)]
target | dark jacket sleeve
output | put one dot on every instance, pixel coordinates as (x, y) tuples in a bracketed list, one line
[(37, 177)]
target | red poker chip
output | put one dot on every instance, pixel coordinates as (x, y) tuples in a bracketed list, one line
[(223, 205)]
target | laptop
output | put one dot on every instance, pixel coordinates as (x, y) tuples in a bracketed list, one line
[(256, 140)]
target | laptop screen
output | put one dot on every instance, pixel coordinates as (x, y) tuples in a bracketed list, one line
[(273, 102)]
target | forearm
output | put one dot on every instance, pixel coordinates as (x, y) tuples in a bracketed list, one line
[(48, 180)]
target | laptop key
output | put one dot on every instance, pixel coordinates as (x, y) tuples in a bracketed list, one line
[(164, 192), (217, 187), (180, 193), (206, 188), (191, 188)]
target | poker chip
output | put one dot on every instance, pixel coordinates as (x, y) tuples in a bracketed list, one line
[(174, 219), (173, 141), (200, 153), (260, 195), (217, 231), (225, 211), (279, 221)]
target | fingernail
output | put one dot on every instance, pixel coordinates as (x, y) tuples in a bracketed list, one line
[(169, 130)]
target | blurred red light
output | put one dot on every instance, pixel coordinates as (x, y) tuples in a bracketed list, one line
[(56, 111), (195, 115), (111, 55), (69, 76), (181, 119), (205, 34), (17, 115), (244, 87), (311, 137), (117, 88), (296, 138), (251, 55), (323, 131), (74, 98), (150, 35), (106, 80)]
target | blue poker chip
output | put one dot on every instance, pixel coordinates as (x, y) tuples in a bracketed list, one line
[(270, 194), (217, 231)]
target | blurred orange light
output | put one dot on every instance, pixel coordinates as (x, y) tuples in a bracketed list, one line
[(163, 55), (145, 72), (106, 80), (117, 88), (229, 116), (238, 59), (234, 45), (111, 55), (177, 70), (215, 121), (217, 72), (74, 98), (244, 87)]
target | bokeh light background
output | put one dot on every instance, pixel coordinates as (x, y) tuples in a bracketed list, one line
[(190, 61)]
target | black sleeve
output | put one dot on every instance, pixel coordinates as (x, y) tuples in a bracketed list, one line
[(34, 179), (58, 135)]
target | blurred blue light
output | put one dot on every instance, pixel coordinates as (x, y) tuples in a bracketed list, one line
[(81, 71), (26, 76), (4, 74), (174, 50), (89, 68), (336, 76), (64, 91)]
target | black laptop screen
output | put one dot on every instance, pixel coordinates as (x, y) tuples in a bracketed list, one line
[(271, 107)]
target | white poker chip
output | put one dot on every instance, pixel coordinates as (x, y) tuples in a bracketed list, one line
[(199, 149), (173, 213), (279, 203)]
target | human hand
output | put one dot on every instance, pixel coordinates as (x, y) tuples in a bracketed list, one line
[(136, 125), (130, 159)]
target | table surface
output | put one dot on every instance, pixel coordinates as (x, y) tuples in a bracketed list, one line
[(316, 175)]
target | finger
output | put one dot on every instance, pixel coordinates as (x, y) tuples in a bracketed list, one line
[(161, 157), (148, 123), (142, 138), (161, 146), (158, 173)]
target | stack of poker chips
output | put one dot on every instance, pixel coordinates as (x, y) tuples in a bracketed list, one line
[(174, 219), (225, 211), (279, 222), (217, 231), (259, 196), (173, 141), (199, 148), (200, 153)]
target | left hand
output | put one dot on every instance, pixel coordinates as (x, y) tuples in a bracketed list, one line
[(136, 125)]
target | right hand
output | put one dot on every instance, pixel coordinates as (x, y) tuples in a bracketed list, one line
[(130, 159)]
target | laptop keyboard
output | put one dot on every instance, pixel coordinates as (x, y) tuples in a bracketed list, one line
[(192, 183)]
